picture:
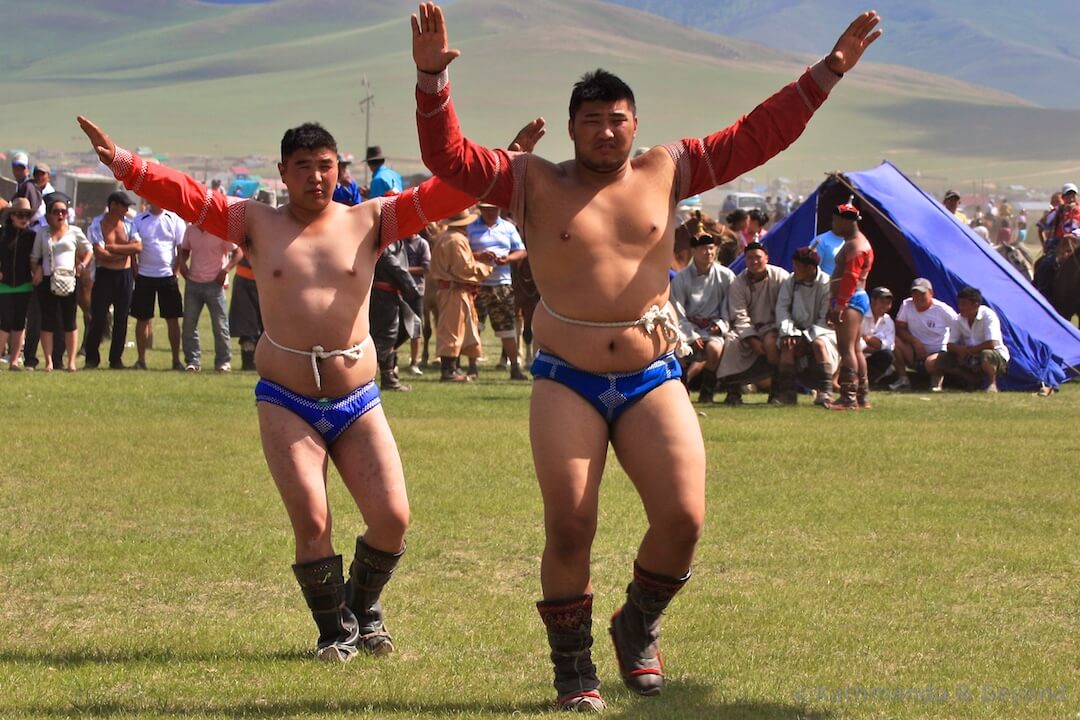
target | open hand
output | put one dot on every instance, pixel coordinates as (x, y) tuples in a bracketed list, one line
[(853, 43), (103, 145), (430, 47), (528, 136)]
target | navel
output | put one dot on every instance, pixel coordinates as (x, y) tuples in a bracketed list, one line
[(277, 273), (565, 236), (611, 346)]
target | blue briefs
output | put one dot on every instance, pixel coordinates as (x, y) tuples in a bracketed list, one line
[(329, 417), (609, 393), (860, 301)]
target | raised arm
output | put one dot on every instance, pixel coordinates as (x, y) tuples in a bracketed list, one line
[(171, 189), (491, 175), (702, 164)]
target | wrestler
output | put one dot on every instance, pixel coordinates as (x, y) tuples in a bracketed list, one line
[(848, 305), (314, 260), (600, 232)]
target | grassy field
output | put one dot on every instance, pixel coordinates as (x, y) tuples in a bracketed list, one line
[(145, 558)]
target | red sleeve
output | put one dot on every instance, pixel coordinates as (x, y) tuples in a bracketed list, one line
[(173, 190), (702, 164), (409, 212), (483, 173), (855, 271)]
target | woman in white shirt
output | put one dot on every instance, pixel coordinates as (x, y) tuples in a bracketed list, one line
[(58, 247)]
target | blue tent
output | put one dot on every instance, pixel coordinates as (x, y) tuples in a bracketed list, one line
[(915, 236)]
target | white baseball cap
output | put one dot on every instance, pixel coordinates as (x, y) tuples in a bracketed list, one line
[(1068, 188), (20, 159)]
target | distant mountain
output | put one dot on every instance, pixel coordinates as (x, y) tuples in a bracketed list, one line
[(194, 78), (1028, 48)]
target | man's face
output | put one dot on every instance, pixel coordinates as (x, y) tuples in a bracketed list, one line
[(310, 176), (1069, 198), (603, 134), (489, 215), (922, 300), (343, 173), (951, 203), (881, 305), (704, 256), (968, 309), (19, 172), (804, 272), (56, 215), (41, 179), (21, 218), (117, 209), (842, 226), (756, 260)]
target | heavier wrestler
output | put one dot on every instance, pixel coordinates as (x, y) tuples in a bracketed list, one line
[(600, 232), (314, 261)]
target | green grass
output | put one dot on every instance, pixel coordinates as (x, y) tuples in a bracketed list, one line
[(145, 557)]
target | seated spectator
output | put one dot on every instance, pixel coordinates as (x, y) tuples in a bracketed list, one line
[(699, 293), (751, 352), (807, 343), (976, 349), (922, 332), (879, 335)]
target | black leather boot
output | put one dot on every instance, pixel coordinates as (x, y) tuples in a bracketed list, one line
[(569, 633), (323, 585)]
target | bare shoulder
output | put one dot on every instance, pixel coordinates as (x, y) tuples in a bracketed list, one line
[(655, 158)]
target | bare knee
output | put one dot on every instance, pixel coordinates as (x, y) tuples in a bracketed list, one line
[(570, 535), (312, 533), (680, 525)]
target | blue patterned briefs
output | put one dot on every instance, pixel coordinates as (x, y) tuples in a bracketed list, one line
[(860, 301), (329, 417), (609, 393)]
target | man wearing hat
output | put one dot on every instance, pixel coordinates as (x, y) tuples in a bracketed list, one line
[(457, 273), (25, 187), (976, 350), (951, 201), (115, 241), (496, 242), (347, 191), (879, 335), (922, 334), (384, 181), (828, 243), (849, 305), (699, 293), (1062, 230), (807, 343), (752, 353), (43, 181)]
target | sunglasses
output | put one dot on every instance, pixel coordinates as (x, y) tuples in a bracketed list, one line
[(25, 214), (61, 212)]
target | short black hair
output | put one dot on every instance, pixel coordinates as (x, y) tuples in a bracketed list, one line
[(309, 136), (760, 216), (600, 85), (736, 215), (972, 294)]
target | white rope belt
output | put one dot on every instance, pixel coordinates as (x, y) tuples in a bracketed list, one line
[(317, 353), (655, 318)]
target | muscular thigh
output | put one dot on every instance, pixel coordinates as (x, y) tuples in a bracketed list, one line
[(658, 442), (367, 457), (569, 445), (296, 456)]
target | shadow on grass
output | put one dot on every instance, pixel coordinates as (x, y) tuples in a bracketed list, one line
[(680, 700), (76, 658)]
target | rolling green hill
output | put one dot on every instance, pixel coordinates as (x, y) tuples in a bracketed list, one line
[(190, 78)]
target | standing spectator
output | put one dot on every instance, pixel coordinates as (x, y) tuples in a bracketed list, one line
[(802, 312), (115, 242), (206, 277), (879, 335), (347, 191), (24, 183), (922, 333), (384, 181), (162, 232), (976, 349), (60, 250), (418, 252), (245, 317), (951, 201), (16, 279), (43, 181), (496, 241), (737, 221), (751, 354), (395, 302), (458, 274), (756, 220), (699, 293)]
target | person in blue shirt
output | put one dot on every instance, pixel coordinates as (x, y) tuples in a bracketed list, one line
[(384, 181), (827, 244), (497, 242), (347, 191)]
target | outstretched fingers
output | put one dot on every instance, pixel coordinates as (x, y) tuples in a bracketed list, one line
[(103, 146)]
